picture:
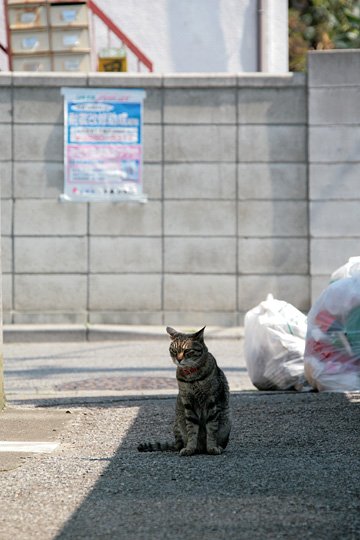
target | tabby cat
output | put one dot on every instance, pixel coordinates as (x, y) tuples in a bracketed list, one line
[(202, 416)]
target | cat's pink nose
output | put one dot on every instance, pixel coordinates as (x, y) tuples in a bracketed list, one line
[(180, 356)]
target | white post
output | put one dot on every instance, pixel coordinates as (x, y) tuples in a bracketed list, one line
[(273, 39)]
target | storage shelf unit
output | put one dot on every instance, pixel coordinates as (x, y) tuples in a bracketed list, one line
[(48, 35)]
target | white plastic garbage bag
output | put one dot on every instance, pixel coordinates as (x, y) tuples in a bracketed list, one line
[(274, 346), (332, 354), (350, 269)]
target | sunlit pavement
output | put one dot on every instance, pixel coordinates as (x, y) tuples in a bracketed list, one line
[(70, 468), (36, 371)]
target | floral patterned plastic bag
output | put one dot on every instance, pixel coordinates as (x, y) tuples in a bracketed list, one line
[(332, 352)]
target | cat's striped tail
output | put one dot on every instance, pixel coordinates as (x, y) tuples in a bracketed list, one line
[(157, 447)]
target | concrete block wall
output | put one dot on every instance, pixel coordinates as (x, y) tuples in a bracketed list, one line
[(272, 194), (334, 162), (2, 391), (225, 169)]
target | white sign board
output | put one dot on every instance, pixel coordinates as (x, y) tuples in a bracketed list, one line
[(103, 144)]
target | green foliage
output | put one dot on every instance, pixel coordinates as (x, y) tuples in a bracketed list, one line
[(319, 25)]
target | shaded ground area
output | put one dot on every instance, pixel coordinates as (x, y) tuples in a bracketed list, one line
[(291, 471)]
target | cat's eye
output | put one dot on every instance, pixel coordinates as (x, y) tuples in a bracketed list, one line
[(188, 352)]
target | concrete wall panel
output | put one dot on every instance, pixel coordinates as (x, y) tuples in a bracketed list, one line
[(272, 218), (6, 254), (126, 317), (200, 181), (47, 145), (209, 143), (334, 67), (49, 217), (272, 143), (334, 105), (273, 255), (153, 106), (6, 142), (335, 218), (197, 319), (124, 254), (152, 180), (153, 152), (200, 106), (125, 292), (318, 284), (5, 105), (37, 255), (125, 219), (329, 144), (59, 292), (254, 289), (272, 181), (50, 317), (200, 218), (38, 179), (199, 293), (7, 296), (334, 181), (271, 106), (6, 179), (328, 254), (38, 106), (200, 255), (6, 217)]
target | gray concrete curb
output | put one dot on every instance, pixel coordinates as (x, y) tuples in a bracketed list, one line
[(34, 333)]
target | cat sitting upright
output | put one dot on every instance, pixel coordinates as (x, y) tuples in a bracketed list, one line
[(202, 416)]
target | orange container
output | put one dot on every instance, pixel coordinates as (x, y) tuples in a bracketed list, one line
[(112, 63)]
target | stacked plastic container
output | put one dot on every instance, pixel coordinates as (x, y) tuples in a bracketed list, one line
[(48, 35)]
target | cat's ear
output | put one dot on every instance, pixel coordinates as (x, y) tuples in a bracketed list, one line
[(199, 335), (172, 333)]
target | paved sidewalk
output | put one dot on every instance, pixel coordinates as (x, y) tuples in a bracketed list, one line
[(291, 469), (135, 366)]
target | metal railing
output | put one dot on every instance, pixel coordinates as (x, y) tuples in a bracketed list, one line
[(142, 59)]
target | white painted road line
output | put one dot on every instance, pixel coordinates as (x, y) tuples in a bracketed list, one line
[(28, 446)]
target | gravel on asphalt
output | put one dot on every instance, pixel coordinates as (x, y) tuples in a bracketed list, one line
[(291, 471)]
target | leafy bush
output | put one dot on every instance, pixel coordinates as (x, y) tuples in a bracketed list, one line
[(319, 25)]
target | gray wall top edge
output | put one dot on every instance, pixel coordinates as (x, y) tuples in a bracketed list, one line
[(331, 86), (48, 79), (124, 80), (152, 80), (337, 67), (272, 79), (214, 80), (334, 51)]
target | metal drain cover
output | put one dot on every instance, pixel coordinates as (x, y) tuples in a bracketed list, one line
[(120, 383)]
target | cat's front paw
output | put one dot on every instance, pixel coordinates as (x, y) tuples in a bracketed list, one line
[(187, 451), (215, 450)]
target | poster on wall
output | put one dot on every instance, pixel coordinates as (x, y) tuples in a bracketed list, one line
[(103, 147)]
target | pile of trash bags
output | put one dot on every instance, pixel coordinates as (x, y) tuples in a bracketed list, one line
[(285, 350)]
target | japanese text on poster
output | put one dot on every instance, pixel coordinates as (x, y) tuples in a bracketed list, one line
[(103, 144)]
